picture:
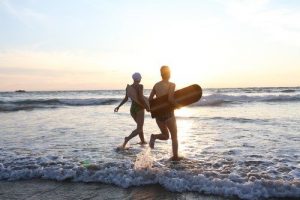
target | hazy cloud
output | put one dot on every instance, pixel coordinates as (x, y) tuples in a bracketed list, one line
[(278, 24), (26, 16)]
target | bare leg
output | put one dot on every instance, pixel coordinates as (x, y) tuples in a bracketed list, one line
[(139, 119), (163, 136), (132, 135), (172, 126), (140, 124)]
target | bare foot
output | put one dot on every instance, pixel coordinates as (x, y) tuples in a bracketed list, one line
[(121, 148), (152, 140), (125, 142), (176, 158), (142, 143)]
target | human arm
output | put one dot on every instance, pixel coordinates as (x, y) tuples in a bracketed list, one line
[(122, 102), (153, 92), (171, 97)]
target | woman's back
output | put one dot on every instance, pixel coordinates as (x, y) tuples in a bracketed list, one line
[(137, 88)]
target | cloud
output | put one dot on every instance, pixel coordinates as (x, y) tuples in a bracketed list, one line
[(28, 58), (38, 70), (279, 25), (72, 60), (26, 16)]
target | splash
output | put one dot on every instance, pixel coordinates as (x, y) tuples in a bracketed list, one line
[(144, 160)]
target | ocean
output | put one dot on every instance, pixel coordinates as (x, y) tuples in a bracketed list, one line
[(236, 142)]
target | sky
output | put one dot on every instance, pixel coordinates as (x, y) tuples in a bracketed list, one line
[(99, 44)]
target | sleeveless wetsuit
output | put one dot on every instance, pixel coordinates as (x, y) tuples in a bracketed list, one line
[(135, 108)]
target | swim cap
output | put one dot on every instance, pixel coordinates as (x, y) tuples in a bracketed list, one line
[(136, 76)]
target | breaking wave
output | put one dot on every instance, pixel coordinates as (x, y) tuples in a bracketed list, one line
[(30, 104), (209, 100), (123, 174), (220, 99)]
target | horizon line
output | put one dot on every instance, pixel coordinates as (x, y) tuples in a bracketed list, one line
[(70, 90)]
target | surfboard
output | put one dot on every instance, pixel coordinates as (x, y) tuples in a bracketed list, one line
[(132, 94), (183, 97)]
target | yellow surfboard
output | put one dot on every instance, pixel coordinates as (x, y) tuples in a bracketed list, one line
[(132, 94)]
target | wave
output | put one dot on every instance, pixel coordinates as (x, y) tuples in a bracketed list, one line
[(240, 119), (209, 100), (288, 91), (30, 104), (261, 90), (231, 119), (123, 174), (221, 99)]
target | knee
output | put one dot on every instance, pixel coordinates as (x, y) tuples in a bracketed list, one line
[(174, 137), (165, 136), (139, 130), (175, 140)]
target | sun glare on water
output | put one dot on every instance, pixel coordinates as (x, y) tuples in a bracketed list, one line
[(189, 131), (184, 126)]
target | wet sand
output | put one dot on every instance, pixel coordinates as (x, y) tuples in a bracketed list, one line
[(46, 189)]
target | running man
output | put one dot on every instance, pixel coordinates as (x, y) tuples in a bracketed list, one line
[(166, 121)]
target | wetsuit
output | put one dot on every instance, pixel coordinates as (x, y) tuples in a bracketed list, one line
[(165, 116), (135, 108)]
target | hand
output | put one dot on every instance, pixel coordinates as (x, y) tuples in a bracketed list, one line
[(116, 109), (177, 105)]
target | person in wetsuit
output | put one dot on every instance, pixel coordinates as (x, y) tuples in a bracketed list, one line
[(166, 121), (137, 112)]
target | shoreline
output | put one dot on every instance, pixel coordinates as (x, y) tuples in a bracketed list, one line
[(36, 189), (49, 189)]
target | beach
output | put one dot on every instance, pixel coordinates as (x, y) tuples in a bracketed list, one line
[(72, 128), (45, 189), (236, 143)]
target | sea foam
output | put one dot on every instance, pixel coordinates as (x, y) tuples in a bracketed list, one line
[(127, 173)]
